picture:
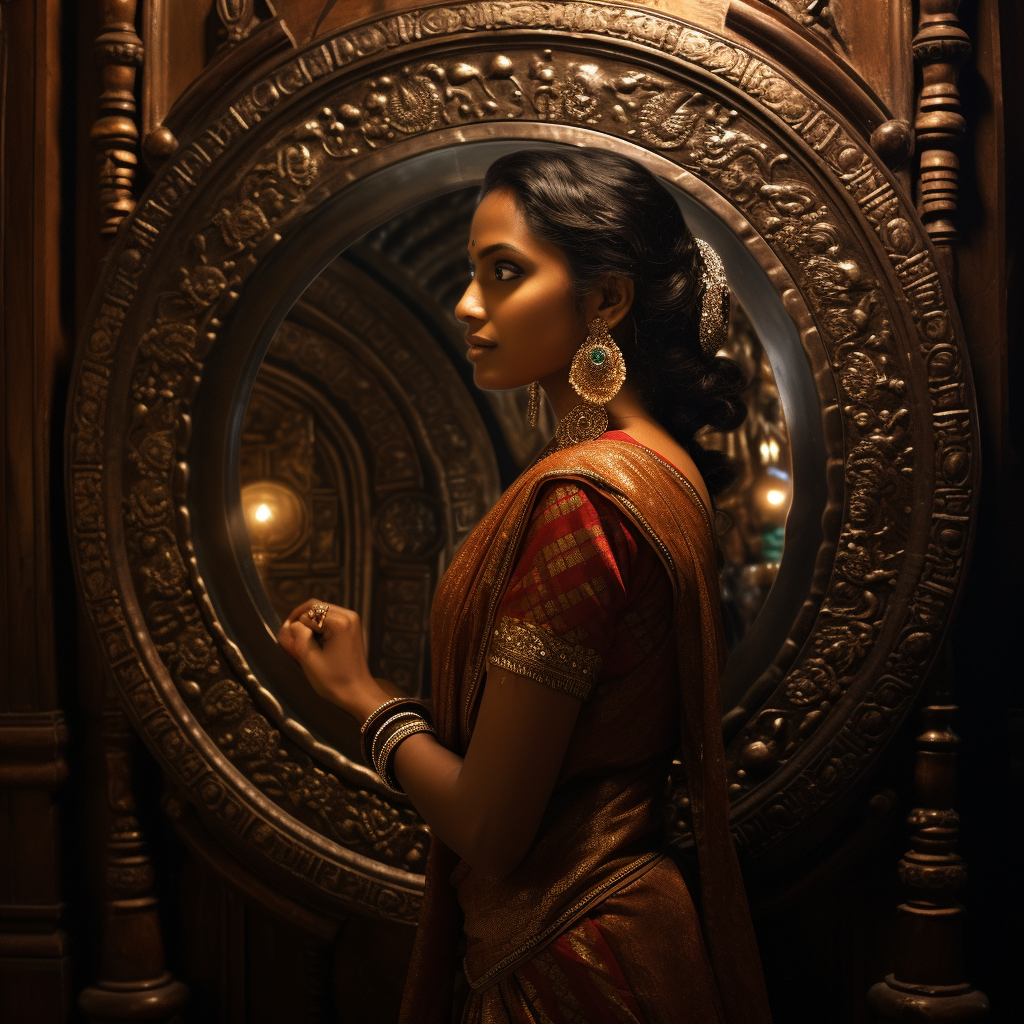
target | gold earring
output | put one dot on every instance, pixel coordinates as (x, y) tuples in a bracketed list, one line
[(597, 373), (533, 403)]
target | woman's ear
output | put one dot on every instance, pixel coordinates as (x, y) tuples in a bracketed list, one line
[(610, 299)]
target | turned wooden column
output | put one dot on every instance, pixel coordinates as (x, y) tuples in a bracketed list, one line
[(940, 47), (928, 982), (115, 133), (133, 984)]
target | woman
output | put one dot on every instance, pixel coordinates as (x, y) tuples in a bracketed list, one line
[(576, 637)]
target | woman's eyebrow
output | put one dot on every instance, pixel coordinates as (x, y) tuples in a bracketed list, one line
[(499, 245)]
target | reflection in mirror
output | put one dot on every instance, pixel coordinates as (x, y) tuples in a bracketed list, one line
[(367, 454), (753, 509)]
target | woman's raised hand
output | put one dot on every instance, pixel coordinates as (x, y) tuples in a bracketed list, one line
[(329, 648)]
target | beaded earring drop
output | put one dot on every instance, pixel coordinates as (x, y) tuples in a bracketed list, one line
[(533, 403)]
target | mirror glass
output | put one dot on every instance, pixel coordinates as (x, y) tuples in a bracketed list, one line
[(367, 454)]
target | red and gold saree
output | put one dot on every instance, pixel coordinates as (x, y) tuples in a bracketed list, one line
[(595, 573)]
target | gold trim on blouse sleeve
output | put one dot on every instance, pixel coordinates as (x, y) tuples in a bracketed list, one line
[(535, 652)]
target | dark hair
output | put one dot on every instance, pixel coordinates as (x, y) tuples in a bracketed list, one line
[(609, 215)]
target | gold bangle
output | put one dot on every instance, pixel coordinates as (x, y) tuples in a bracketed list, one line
[(386, 728), (391, 702), (383, 752), (368, 730), (390, 745)]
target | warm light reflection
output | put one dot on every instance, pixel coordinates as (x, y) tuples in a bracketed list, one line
[(275, 517), (772, 495), (769, 451)]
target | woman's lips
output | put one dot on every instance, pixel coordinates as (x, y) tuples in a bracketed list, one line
[(478, 347)]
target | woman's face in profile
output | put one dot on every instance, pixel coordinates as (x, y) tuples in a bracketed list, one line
[(519, 310)]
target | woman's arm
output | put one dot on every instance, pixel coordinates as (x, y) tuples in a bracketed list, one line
[(487, 806)]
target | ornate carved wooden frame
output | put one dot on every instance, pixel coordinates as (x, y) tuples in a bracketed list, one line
[(190, 277)]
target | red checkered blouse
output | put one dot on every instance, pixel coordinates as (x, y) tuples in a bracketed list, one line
[(588, 597)]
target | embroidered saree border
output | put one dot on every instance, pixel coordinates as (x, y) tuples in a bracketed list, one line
[(535, 652)]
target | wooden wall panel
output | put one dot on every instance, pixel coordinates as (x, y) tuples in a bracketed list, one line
[(34, 965)]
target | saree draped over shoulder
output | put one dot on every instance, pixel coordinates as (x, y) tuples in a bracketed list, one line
[(595, 573)]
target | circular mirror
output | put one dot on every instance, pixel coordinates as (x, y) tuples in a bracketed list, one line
[(350, 396), (223, 458)]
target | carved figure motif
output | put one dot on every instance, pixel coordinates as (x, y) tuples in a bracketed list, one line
[(238, 20), (823, 18)]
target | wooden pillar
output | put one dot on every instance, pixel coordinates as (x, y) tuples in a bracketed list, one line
[(928, 982), (133, 984), (34, 964), (115, 133), (940, 47)]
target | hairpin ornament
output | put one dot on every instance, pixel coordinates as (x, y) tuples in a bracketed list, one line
[(714, 307)]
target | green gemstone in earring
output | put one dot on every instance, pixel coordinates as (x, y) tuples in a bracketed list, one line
[(597, 356)]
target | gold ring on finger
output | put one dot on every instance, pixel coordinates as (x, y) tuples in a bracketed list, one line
[(318, 615)]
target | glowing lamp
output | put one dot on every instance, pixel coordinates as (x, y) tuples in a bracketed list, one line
[(772, 494), (275, 517)]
